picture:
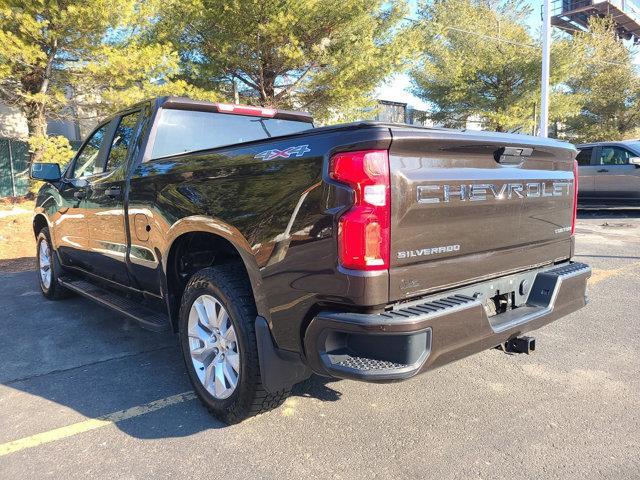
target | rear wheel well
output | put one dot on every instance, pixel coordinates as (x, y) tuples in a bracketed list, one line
[(39, 222), (190, 253)]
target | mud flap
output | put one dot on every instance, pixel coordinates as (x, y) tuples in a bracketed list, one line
[(279, 369)]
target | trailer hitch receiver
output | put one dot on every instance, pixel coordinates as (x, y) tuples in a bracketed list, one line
[(518, 345)]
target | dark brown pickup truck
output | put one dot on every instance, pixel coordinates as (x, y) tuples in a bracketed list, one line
[(275, 249)]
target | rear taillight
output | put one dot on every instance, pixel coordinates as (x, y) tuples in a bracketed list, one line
[(364, 230), (575, 197)]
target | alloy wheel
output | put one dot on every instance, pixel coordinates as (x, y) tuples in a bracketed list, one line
[(213, 346), (44, 263)]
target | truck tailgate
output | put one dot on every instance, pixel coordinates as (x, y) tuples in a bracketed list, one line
[(469, 206)]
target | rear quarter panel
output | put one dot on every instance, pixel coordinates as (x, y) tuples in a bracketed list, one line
[(278, 212)]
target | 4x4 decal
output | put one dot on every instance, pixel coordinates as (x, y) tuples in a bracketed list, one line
[(297, 151)]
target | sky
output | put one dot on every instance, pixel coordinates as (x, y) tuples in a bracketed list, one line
[(398, 88)]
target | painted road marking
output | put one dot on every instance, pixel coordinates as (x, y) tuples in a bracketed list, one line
[(93, 423)]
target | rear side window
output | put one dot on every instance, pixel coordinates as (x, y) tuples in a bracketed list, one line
[(181, 131), (584, 156)]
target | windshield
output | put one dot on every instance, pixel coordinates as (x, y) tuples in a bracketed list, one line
[(181, 131)]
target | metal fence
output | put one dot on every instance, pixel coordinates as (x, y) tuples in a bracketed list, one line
[(14, 168)]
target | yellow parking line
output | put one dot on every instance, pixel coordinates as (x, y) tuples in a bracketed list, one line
[(92, 423)]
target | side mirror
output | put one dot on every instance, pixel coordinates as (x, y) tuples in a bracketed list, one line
[(48, 172), (635, 161)]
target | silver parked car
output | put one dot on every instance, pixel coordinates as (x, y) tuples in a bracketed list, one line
[(609, 173)]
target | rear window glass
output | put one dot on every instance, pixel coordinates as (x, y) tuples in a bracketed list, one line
[(181, 131)]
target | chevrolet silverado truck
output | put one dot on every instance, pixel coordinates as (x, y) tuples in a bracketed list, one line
[(275, 250)]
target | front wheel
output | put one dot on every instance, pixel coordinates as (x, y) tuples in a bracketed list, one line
[(49, 269), (218, 340)]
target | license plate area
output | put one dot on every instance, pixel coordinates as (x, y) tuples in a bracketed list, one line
[(500, 303)]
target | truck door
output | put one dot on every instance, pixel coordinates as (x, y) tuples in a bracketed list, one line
[(616, 177), (71, 232), (107, 231), (587, 174)]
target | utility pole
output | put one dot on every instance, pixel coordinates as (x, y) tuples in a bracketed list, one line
[(546, 60)]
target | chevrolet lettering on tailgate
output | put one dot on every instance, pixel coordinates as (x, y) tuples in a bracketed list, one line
[(478, 192)]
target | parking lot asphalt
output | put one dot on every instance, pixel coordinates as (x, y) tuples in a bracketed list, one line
[(84, 393)]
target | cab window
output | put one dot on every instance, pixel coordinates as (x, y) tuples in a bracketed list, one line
[(584, 157), (123, 139), (87, 159), (182, 131), (614, 156)]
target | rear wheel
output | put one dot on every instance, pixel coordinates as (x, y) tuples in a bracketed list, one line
[(218, 340), (49, 269)]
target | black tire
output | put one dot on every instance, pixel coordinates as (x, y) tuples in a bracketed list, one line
[(229, 285), (54, 291)]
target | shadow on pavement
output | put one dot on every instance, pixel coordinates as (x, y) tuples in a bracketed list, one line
[(317, 387), (607, 213), (621, 257), (89, 359)]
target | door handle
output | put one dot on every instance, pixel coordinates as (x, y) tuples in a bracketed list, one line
[(79, 194), (113, 192), (603, 170)]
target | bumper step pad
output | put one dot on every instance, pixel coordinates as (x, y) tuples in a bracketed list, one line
[(435, 307), (367, 364)]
